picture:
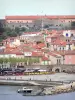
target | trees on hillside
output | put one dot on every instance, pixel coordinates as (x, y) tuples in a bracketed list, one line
[(8, 32), (2, 32)]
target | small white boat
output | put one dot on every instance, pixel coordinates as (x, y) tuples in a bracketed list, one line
[(34, 92), (24, 90)]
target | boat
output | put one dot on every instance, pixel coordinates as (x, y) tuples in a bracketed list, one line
[(38, 92), (24, 90)]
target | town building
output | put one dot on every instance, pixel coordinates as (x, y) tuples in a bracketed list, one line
[(69, 57), (51, 42), (63, 22)]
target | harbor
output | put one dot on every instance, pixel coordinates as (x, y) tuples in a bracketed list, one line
[(40, 89), (9, 93), (46, 84)]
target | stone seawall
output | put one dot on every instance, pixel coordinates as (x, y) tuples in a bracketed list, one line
[(62, 68), (55, 68)]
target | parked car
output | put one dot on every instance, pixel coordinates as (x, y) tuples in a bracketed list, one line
[(8, 73)]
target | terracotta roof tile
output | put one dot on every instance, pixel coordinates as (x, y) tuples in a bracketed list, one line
[(52, 54), (39, 46), (45, 58), (34, 17), (38, 54), (64, 52), (59, 42), (70, 52)]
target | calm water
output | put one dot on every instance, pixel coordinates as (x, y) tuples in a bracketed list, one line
[(9, 93)]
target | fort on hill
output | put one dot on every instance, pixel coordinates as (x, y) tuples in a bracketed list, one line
[(35, 23)]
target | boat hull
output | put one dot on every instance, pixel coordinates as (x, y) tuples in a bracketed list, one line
[(34, 93)]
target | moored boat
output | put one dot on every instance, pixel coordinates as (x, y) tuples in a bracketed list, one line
[(34, 93), (24, 90)]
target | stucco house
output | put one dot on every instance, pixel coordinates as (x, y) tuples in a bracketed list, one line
[(69, 57)]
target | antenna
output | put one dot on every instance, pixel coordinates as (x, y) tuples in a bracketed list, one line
[(42, 22)]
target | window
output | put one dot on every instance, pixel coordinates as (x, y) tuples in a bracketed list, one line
[(20, 25), (18, 21), (66, 34), (72, 35), (67, 40), (60, 48), (57, 61), (21, 40), (69, 47), (34, 25)]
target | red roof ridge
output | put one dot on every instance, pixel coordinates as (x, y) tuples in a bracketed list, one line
[(44, 58), (33, 17), (54, 54)]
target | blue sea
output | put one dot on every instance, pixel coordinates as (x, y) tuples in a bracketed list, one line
[(10, 93)]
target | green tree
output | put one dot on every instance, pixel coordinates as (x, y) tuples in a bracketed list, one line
[(1, 60), (17, 29), (23, 29)]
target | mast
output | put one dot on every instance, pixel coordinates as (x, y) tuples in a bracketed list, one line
[(42, 24)]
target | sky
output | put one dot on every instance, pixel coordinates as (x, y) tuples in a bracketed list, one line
[(36, 7)]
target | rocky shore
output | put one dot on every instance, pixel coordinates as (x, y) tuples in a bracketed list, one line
[(60, 89)]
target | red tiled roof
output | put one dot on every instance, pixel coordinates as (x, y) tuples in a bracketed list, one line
[(69, 52), (39, 16), (59, 42), (38, 54), (39, 46), (52, 54), (45, 58)]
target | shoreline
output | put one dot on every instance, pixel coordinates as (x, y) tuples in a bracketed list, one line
[(54, 90), (52, 84), (66, 88)]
